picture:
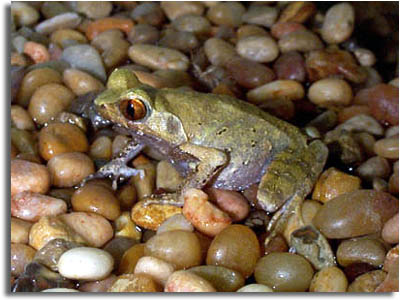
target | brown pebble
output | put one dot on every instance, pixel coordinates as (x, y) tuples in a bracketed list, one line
[(60, 138), (98, 199), (21, 255), (28, 176), (390, 231)]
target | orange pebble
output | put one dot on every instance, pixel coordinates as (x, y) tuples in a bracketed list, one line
[(98, 26), (37, 52)]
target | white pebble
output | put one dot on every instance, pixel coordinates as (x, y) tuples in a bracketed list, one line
[(255, 288), (85, 263), (60, 290), (158, 269)]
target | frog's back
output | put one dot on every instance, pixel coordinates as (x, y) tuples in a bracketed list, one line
[(249, 135)]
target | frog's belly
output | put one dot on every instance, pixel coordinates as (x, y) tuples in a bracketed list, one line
[(244, 169)]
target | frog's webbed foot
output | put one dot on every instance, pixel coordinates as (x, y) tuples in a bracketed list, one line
[(164, 199), (117, 169), (288, 180)]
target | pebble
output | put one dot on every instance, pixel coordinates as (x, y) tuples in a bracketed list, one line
[(218, 51), (300, 40), (290, 66), (29, 176), (329, 62), (125, 227), (278, 89), (382, 100), (223, 279), (117, 247), (231, 202), (95, 229), (81, 82), (69, 169), (367, 282), (30, 206), (391, 266), (48, 101), (97, 199), (49, 228), (145, 188), (59, 138), (183, 41), (151, 216), (329, 279), (333, 183), (158, 58), (338, 23), (59, 290), (21, 119), (33, 80), (362, 123), (362, 250), (21, 255), (175, 9), (356, 213), (96, 27), (143, 34), (279, 30), (50, 253), (228, 14), (284, 272), (130, 258), (390, 231), (387, 147), (85, 263), (250, 30), (261, 15), (298, 12), (24, 14), (134, 283), (179, 247), (61, 21), (98, 286), (350, 111), (148, 13), (37, 52), (237, 248), (195, 24), (202, 214), (187, 282), (330, 92), (157, 269), (374, 167), (85, 58), (175, 222), (258, 48), (255, 288), (19, 231), (52, 8), (94, 10), (248, 73), (365, 57)]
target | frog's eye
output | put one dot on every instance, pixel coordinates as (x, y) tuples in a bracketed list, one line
[(133, 109)]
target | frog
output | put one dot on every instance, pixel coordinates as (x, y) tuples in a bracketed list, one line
[(212, 140)]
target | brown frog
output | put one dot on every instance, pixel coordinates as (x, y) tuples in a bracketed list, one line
[(213, 140)]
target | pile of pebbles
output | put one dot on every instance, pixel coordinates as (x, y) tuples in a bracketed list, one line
[(314, 65)]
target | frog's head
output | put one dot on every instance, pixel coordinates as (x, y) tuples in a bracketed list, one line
[(126, 101), (132, 105)]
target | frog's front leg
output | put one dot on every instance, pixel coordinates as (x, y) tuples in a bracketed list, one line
[(287, 181), (210, 161), (117, 168)]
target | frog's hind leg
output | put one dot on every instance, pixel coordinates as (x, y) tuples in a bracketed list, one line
[(117, 168), (287, 181)]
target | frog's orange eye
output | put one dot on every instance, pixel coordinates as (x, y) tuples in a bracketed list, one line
[(133, 109)]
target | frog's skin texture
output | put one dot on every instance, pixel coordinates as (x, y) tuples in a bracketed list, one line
[(218, 140)]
